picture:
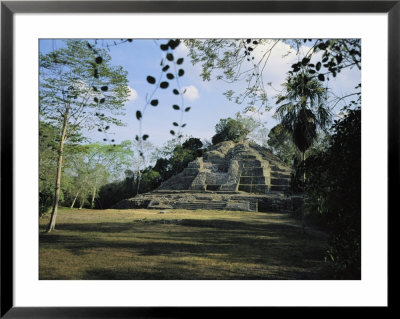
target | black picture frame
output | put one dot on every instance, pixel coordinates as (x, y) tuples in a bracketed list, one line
[(9, 8)]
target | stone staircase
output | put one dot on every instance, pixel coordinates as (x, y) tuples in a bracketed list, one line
[(252, 178), (280, 178)]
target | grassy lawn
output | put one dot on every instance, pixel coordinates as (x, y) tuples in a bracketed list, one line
[(178, 244)]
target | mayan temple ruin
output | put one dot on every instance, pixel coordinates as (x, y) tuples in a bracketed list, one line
[(229, 176)]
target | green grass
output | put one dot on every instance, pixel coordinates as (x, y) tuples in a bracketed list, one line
[(179, 244)]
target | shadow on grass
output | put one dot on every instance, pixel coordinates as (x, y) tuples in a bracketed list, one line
[(281, 246)]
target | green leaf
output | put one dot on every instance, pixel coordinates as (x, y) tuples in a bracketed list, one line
[(164, 47), (176, 107), (183, 125), (175, 91), (172, 132), (179, 61), (102, 100), (145, 137), (321, 77), (99, 60), (170, 76), (151, 79), (104, 88), (318, 66), (138, 115), (154, 102), (187, 109), (96, 99), (175, 124), (181, 72), (165, 68), (170, 57)]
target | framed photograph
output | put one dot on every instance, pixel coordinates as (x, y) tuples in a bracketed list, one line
[(160, 158)]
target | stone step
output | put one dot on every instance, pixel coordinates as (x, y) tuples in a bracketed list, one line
[(200, 205), (254, 171), (252, 180), (246, 156), (279, 187), (251, 164), (254, 188)]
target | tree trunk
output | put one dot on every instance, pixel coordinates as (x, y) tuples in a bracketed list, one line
[(73, 202), (93, 197), (53, 218), (82, 202), (138, 182)]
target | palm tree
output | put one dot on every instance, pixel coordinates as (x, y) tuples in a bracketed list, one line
[(304, 112)]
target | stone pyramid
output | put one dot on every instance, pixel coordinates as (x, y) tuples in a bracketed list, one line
[(229, 176)]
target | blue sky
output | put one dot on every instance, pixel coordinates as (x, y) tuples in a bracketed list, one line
[(208, 105)]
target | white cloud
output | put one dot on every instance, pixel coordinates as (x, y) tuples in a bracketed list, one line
[(191, 93), (133, 95)]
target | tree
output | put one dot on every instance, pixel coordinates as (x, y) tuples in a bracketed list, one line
[(49, 141), (141, 159), (334, 192), (303, 112), (255, 126), (229, 130), (281, 143), (79, 89)]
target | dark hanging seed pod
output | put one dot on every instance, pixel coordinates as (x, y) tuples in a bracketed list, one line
[(151, 79), (164, 85)]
